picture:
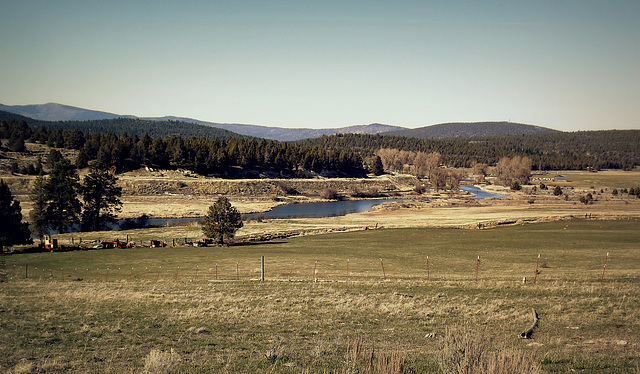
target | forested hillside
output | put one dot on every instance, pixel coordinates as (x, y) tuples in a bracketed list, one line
[(131, 126), (469, 129), (610, 149), (228, 157)]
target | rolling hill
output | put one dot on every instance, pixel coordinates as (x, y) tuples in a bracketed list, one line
[(57, 112), (131, 126), (471, 129)]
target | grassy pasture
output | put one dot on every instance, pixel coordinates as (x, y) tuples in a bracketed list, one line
[(132, 320), (603, 179)]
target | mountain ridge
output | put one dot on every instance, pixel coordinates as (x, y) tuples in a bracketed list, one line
[(472, 129), (54, 112)]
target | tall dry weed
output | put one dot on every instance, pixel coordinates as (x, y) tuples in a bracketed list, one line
[(161, 362), (466, 351), (364, 360)]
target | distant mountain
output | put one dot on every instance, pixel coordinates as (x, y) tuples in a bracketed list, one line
[(131, 126), (286, 134), (58, 112), (471, 129)]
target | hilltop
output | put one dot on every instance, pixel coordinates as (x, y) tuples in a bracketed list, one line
[(471, 129), (52, 112)]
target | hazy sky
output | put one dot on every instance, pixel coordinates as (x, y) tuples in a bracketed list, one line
[(569, 65)]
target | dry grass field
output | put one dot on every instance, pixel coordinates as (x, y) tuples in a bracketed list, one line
[(147, 310), (339, 296)]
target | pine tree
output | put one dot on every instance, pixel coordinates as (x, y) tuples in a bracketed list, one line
[(38, 213), (61, 189), (101, 197), (377, 168), (222, 220), (12, 230)]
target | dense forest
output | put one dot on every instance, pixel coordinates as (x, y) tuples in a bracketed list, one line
[(227, 157), (610, 149), (469, 129), (131, 126), (227, 154)]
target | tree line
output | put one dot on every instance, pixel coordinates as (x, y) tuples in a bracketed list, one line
[(226, 157), (608, 149), (59, 201)]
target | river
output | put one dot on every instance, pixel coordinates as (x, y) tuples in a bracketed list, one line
[(301, 210), (480, 194), (321, 209)]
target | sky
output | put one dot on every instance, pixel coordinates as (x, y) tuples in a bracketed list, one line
[(569, 65)]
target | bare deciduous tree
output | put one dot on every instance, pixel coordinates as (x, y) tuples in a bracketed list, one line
[(513, 169)]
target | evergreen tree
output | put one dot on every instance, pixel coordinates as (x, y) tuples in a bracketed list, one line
[(12, 230), (222, 220), (38, 213), (16, 142), (61, 188), (101, 197), (377, 168)]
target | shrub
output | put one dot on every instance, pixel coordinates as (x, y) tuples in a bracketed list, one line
[(329, 193), (557, 191), (586, 199)]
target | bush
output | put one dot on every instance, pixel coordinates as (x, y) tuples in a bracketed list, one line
[(587, 199), (557, 191), (329, 193)]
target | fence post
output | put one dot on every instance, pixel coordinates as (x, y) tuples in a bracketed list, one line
[(291, 272), (177, 271), (261, 268), (131, 273), (428, 270), (384, 275), (237, 271), (196, 278), (535, 278), (605, 268), (26, 271), (477, 268), (347, 270), (315, 267)]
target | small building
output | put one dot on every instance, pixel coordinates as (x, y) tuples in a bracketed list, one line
[(561, 178)]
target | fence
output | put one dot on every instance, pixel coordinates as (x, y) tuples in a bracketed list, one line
[(280, 270)]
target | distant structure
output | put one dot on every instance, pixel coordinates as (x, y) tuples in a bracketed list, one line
[(561, 178)]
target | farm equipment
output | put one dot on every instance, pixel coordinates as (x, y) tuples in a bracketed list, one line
[(50, 243), (115, 244), (157, 243), (200, 243)]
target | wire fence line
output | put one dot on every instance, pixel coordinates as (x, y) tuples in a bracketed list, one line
[(281, 270)]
